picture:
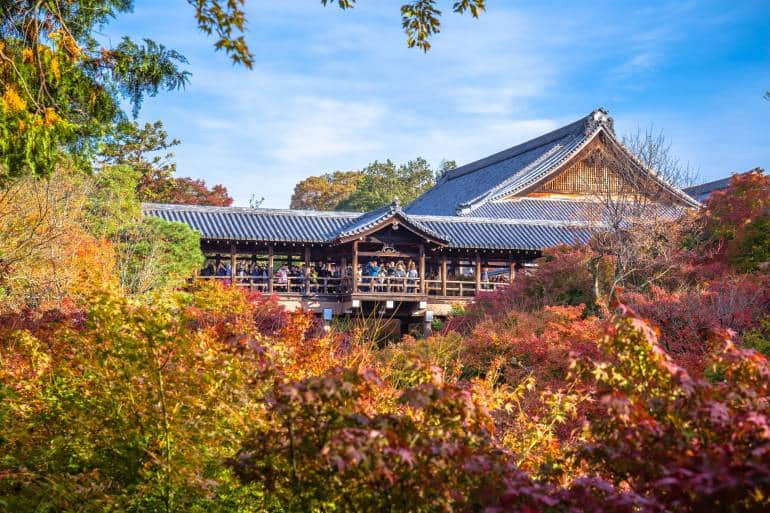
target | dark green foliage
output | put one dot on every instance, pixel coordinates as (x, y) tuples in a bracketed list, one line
[(759, 338), (157, 254), (143, 70), (152, 253), (753, 250)]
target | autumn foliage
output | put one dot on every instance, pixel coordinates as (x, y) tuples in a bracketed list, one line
[(629, 375), (532, 399), (734, 224)]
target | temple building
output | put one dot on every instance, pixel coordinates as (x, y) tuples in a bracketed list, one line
[(479, 226)]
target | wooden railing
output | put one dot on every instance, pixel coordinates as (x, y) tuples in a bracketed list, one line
[(460, 288), (297, 285), (384, 285), (392, 285)]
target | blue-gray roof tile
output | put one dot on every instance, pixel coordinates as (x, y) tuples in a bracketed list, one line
[(546, 209), (266, 225), (703, 191), (234, 223), (516, 169)]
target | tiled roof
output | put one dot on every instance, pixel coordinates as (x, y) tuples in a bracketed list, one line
[(513, 170), (543, 209), (365, 221), (230, 223), (274, 225), (703, 191), (463, 210), (474, 180), (384, 214), (483, 233)]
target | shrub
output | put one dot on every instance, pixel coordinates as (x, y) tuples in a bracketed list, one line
[(538, 343), (687, 444), (685, 318), (132, 410), (734, 223), (562, 278)]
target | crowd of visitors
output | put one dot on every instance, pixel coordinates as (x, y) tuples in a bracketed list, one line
[(286, 278), (392, 276), (374, 276)]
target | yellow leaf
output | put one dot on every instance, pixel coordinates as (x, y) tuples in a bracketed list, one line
[(12, 101)]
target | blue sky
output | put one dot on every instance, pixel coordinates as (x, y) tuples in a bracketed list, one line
[(333, 90)]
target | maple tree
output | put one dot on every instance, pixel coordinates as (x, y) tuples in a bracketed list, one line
[(188, 191), (733, 226), (687, 444), (325, 192), (47, 253), (141, 149)]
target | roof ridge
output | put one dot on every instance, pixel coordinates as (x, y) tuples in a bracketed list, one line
[(656, 175), (562, 154), (505, 183), (580, 199), (214, 208), (505, 221), (383, 214), (586, 123)]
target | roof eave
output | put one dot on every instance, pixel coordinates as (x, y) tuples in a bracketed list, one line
[(401, 219)]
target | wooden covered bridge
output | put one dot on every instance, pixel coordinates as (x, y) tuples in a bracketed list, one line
[(326, 260), (479, 226)]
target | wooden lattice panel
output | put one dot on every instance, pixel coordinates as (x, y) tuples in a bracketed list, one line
[(587, 177)]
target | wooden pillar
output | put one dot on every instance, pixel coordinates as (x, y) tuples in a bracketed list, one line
[(355, 267), (512, 271), (478, 272), (443, 275), (307, 272), (422, 269), (233, 264), (270, 270)]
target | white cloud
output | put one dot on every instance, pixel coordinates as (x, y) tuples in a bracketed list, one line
[(323, 128), (336, 90)]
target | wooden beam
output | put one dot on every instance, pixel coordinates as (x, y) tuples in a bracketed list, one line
[(512, 271), (270, 270), (386, 254), (443, 275), (478, 272), (233, 264), (422, 269), (355, 266), (308, 274)]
